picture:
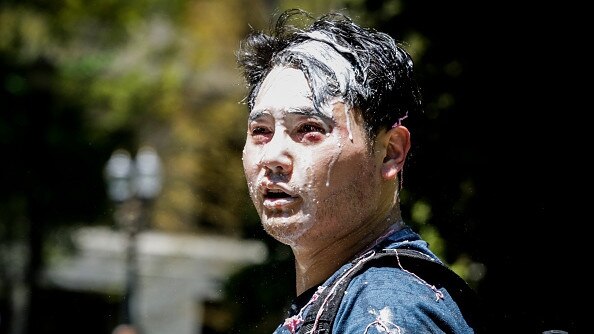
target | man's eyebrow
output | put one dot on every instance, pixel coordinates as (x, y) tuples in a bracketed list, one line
[(304, 111), (256, 114), (309, 111)]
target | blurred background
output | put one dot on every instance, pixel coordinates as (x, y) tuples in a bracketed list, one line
[(122, 195)]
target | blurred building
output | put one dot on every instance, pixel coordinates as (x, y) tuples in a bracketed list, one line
[(177, 273)]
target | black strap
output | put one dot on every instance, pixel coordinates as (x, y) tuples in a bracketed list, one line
[(431, 271)]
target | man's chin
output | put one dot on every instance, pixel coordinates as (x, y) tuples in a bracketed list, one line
[(280, 220), (285, 228)]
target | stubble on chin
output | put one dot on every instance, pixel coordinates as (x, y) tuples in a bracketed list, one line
[(287, 229)]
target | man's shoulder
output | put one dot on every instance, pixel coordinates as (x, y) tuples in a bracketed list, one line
[(399, 291), (398, 287), (387, 278), (392, 284)]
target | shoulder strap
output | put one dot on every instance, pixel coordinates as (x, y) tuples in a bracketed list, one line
[(320, 317)]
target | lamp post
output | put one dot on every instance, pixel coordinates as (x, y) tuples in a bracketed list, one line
[(132, 185)]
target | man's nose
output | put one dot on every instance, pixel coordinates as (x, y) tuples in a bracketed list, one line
[(276, 156)]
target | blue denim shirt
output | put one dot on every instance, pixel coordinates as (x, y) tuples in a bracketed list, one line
[(391, 300)]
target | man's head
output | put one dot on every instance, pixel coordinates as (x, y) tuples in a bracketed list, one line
[(324, 143), (366, 69)]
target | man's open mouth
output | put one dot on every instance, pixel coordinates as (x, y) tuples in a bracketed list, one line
[(275, 193), (277, 198)]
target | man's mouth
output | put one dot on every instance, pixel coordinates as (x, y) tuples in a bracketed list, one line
[(276, 193), (277, 199)]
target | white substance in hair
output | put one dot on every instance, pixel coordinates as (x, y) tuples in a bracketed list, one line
[(327, 54)]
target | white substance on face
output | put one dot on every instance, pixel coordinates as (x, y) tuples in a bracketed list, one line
[(331, 164), (326, 52), (347, 115), (309, 215), (335, 156), (350, 136)]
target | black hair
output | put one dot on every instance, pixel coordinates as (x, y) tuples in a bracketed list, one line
[(377, 73)]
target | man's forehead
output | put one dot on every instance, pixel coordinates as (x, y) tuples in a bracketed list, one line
[(286, 90), (284, 86), (284, 76)]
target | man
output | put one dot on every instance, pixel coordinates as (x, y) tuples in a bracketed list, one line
[(323, 158)]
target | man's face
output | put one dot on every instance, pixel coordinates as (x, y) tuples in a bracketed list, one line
[(310, 172)]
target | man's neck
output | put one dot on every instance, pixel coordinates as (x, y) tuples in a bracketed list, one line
[(313, 267)]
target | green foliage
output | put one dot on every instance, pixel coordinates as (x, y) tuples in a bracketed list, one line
[(79, 80), (139, 68)]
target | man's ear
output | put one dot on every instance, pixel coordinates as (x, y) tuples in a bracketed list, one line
[(397, 141)]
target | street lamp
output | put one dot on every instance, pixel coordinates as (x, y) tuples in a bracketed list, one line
[(132, 185)]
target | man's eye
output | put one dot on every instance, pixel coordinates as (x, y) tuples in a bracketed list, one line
[(308, 128), (260, 134), (260, 131)]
